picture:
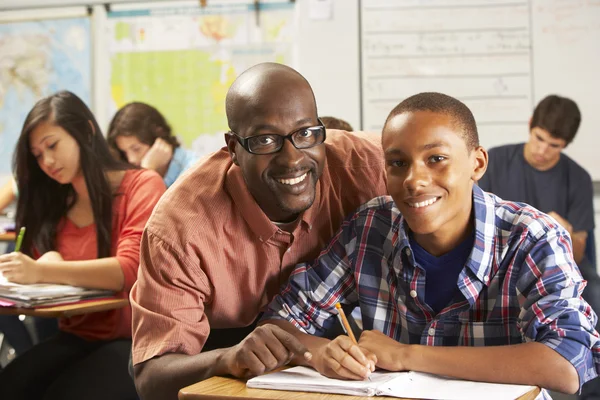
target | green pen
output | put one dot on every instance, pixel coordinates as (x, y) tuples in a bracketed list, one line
[(20, 239)]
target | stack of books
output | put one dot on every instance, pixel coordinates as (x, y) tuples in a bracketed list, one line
[(38, 295)]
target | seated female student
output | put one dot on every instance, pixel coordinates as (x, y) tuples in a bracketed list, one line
[(84, 212), (140, 135)]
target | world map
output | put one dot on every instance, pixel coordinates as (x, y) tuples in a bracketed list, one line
[(38, 59), (183, 60)]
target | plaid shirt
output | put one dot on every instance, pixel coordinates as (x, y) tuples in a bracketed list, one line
[(519, 284)]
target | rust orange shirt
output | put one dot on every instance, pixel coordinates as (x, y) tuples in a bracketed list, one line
[(139, 192), (211, 258)]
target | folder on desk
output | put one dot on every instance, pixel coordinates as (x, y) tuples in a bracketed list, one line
[(17, 295), (394, 384)]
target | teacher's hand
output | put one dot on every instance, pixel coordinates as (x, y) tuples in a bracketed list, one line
[(268, 347)]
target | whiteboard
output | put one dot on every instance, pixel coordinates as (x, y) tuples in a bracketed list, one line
[(500, 57)]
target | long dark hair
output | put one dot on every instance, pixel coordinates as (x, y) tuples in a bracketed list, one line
[(42, 201), (142, 121)]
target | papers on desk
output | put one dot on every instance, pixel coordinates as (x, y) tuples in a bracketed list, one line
[(394, 384), (16, 295)]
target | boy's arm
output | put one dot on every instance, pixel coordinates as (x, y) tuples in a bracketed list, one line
[(527, 363)]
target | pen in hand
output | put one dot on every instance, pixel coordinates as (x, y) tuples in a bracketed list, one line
[(20, 239), (346, 325)]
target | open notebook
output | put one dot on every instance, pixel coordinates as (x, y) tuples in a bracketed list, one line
[(16, 295), (395, 384)]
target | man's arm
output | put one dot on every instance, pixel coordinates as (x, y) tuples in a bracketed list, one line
[(162, 377), (579, 240), (265, 349), (580, 212)]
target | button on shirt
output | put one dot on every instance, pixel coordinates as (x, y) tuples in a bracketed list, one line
[(520, 284)]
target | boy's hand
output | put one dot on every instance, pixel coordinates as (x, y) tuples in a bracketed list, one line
[(342, 359), (387, 350)]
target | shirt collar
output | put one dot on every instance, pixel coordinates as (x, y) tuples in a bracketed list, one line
[(255, 217), (481, 258)]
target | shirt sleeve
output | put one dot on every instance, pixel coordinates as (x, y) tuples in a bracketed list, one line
[(553, 312), (581, 204), (167, 302), (141, 197), (308, 301)]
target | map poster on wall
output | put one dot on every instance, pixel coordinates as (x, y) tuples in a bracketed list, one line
[(37, 59), (183, 60)]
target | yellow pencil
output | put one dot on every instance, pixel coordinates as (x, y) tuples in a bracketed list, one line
[(346, 325)]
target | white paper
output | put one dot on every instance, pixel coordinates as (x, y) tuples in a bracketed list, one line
[(427, 386), (394, 384), (303, 379), (320, 9)]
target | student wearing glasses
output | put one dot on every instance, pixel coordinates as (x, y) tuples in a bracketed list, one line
[(225, 237)]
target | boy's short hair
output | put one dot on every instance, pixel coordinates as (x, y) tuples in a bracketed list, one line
[(443, 104), (558, 115)]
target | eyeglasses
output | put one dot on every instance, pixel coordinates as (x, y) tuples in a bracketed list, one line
[(304, 138)]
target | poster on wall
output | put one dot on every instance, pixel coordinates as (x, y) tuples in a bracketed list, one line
[(182, 60), (38, 59)]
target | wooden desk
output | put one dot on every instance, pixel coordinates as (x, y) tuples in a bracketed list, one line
[(67, 310), (8, 237), (221, 388)]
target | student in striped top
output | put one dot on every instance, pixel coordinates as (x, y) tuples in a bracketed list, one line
[(449, 280)]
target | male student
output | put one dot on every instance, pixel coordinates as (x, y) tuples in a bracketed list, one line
[(540, 174), (450, 280), (226, 235)]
